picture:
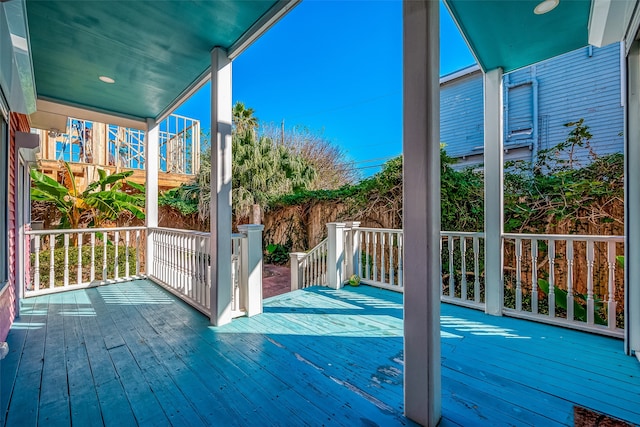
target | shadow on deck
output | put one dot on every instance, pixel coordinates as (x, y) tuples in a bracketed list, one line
[(130, 354)]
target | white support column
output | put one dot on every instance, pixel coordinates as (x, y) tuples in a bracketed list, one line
[(294, 268), (152, 156), (632, 203), (493, 191), (335, 254), (421, 153), (220, 206), (251, 264)]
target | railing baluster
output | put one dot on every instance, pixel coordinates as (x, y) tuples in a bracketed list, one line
[(476, 269), (611, 286), (126, 259), (368, 255), (105, 238), (137, 252), (52, 271), (401, 260), (519, 274), (79, 275), (375, 256), (441, 266), (36, 273), (65, 282), (92, 273), (590, 301), (382, 261), (463, 268), (116, 257), (391, 259), (552, 291), (534, 276), (570, 311), (452, 280)]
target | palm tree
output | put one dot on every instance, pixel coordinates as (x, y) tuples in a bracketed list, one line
[(243, 119)]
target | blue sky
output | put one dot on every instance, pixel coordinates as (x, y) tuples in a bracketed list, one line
[(336, 68)]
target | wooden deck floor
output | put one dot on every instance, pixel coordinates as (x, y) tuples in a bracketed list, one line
[(131, 354)]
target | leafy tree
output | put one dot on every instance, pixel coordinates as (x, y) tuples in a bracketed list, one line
[(333, 170), (102, 200)]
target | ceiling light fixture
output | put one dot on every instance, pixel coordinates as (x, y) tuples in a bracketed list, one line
[(546, 6), (106, 79)]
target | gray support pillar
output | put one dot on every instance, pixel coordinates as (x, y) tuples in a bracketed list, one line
[(220, 206), (421, 152), (632, 203), (152, 163), (251, 266), (493, 191)]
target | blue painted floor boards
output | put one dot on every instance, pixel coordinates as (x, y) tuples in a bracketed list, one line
[(132, 354)]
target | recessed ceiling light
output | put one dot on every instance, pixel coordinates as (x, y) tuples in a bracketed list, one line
[(546, 6), (107, 79)]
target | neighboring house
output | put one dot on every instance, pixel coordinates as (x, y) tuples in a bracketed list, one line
[(538, 101)]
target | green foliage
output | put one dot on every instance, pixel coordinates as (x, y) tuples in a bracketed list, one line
[(102, 200), (277, 254), (579, 303), (264, 170), (556, 187), (58, 263), (185, 199)]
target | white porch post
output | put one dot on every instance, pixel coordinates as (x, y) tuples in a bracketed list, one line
[(251, 265), (220, 207), (152, 163), (335, 254), (493, 191), (632, 203), (296, 271), (421, 153)]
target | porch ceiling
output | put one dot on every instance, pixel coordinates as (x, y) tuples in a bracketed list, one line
[(154, 51), (508, 34)]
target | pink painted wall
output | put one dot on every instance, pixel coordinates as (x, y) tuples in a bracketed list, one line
[(18, 122)]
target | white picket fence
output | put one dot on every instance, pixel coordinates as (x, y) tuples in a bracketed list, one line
[(576, 282), (89, 256), (181, 264)]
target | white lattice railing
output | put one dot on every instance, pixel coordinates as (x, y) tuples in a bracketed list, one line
[(565, 279), (71, 259), (182, 264), (311, 267)]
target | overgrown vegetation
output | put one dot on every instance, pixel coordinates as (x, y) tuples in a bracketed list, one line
[(265, 166), (101, 201)]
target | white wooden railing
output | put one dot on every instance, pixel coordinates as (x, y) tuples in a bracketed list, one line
[(377, 257), (462, 280), (311, 267), (181, 263), (568, 280), (576, 281), (89, 256)]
